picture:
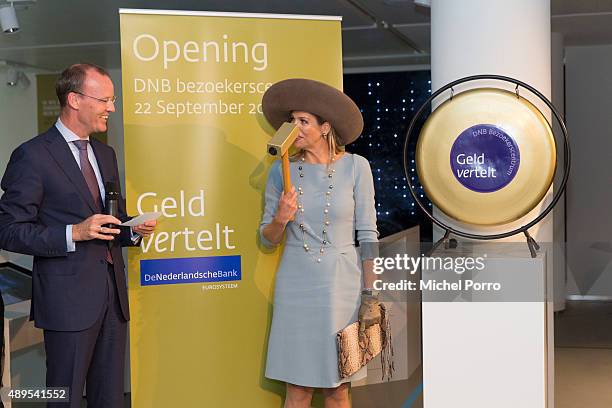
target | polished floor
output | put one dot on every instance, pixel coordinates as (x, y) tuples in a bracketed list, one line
[(583, 355), (583, 378)]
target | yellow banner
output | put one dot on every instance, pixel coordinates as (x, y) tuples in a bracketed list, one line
[(195, 144)]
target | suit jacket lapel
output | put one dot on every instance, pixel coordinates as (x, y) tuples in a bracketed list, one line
[(60, 151)]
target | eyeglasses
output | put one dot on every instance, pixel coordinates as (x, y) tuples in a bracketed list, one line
[(112, 99)]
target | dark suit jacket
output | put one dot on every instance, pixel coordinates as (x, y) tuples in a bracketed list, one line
[(45, 191)]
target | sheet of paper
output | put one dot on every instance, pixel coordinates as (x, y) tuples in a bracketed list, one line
[(141, 219)]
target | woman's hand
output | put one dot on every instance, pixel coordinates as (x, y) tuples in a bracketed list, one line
[(369, 312), (287, 207)]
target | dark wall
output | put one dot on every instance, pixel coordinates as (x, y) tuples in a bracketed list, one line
[(388, 102)]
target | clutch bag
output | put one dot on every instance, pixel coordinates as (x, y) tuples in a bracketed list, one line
[(355, 350)]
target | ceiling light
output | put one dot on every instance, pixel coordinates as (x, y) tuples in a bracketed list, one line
[(8, 19), (15, 76), (12, 77)]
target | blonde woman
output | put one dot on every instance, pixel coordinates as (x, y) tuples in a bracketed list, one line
[(320, 284)]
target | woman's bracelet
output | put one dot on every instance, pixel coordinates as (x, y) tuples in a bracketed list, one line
[(369, 292)]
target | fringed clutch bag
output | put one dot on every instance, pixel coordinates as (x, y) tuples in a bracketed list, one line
[(355, 350)]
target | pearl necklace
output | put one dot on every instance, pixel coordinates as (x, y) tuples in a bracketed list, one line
[(326, 222)]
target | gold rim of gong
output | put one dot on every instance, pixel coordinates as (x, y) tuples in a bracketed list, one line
[(522, 121)]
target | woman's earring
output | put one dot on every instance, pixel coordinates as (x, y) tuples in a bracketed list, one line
[(324, 135)]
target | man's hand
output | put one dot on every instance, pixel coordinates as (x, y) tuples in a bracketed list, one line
[(145, 229), (92, 228)]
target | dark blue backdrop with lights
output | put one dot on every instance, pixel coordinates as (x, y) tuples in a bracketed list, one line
[(388, 102)]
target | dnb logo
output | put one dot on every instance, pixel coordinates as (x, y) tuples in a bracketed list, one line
[(484, 158)]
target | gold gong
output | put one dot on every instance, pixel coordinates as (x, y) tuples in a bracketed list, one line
[(486, 156)]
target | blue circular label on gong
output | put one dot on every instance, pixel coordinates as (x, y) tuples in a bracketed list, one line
[(484, 158)]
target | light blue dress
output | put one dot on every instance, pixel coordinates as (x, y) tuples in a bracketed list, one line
[(314, 300)]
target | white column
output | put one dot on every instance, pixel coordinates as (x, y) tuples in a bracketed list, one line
[(505, 37), (492, 354), (502, 37), (558, 100)]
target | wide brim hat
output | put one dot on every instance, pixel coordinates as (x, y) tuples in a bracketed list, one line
[(331, 104)]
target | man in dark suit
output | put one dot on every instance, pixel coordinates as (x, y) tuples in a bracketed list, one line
[(52, 208)]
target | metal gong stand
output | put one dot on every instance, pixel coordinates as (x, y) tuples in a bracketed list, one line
[(531, 243)]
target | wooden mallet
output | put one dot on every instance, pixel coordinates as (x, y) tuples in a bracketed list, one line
[(279, 145)]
